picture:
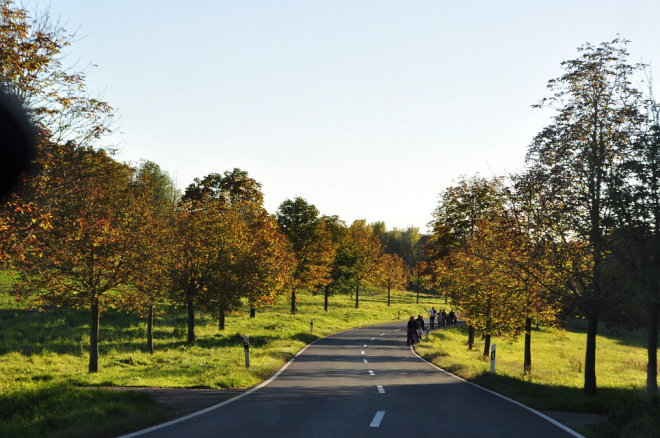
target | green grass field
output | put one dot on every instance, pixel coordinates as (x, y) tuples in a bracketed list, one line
[(45, 390), (557, 376), (44, 384)]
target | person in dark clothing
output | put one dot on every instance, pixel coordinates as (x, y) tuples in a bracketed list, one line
[(420, 326), (451, 318), (412, 330)]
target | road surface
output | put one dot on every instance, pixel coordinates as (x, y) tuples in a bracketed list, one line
[(363, 383)]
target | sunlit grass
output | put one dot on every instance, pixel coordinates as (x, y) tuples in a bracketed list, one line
[(557, 376), (44, 356)]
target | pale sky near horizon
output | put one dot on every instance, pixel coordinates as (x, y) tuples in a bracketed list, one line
[(367, 109)]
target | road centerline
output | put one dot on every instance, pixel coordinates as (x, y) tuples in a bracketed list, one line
[(377, 419)]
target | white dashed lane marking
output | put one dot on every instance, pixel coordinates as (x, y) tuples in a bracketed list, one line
[(381, 390), (371, 373), (377, 419)]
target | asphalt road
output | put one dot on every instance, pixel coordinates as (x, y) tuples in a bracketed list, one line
[(363, 383)]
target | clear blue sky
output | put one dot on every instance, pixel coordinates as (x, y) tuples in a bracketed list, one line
[(368, 109)]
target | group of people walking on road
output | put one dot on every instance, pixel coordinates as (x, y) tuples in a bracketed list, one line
[(416, 326)]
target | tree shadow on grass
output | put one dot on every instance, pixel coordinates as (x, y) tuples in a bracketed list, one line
[(556, 397)]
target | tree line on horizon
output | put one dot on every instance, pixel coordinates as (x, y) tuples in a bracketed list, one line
[(575, 233)]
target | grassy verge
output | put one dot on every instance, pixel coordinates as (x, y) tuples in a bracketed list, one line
[(556, 380), (44, 386)]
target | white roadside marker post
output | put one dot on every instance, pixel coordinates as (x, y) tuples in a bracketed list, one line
[(492, 360), (246, 346)]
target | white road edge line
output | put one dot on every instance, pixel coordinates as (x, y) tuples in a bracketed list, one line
[(540, 414), (381, 390), (377, 419), (226, 402)]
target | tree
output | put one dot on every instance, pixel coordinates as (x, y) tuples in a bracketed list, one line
[(637, 238), (572, 164), (87, 252), (356, 263), (392, 273), (229, 188), (208, 235), (56, 99), (154, 251), (337, 230), (267, 263), (311, 243), (224, 206), (32, 70), (461, 209), (524, 286)]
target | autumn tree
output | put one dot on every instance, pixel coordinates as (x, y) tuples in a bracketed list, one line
[(356, 263), (393, 273), (207, 236), (87, 252), (336, 229), (482, 290), (522, 280), (311, 243), (55, 96), (461, 209), (32, 69), (154, 250), (230, 187), (226, 203), (572, 164), (267, 264)]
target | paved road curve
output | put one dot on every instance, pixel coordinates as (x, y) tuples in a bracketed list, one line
[(363, 383)]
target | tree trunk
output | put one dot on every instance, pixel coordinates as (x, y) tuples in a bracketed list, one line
[(470, 337), (191, 321), (150, 329), (388, 296), (253, 312), (94, 338), (325, 300), (357, 296), (590, 387), (221, 318), (652, 367), (417, 295), (527, 365), (293, 302), (486, 346)]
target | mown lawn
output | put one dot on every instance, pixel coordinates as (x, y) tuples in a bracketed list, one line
[(557, 376), (44, 384), (45, 390)]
